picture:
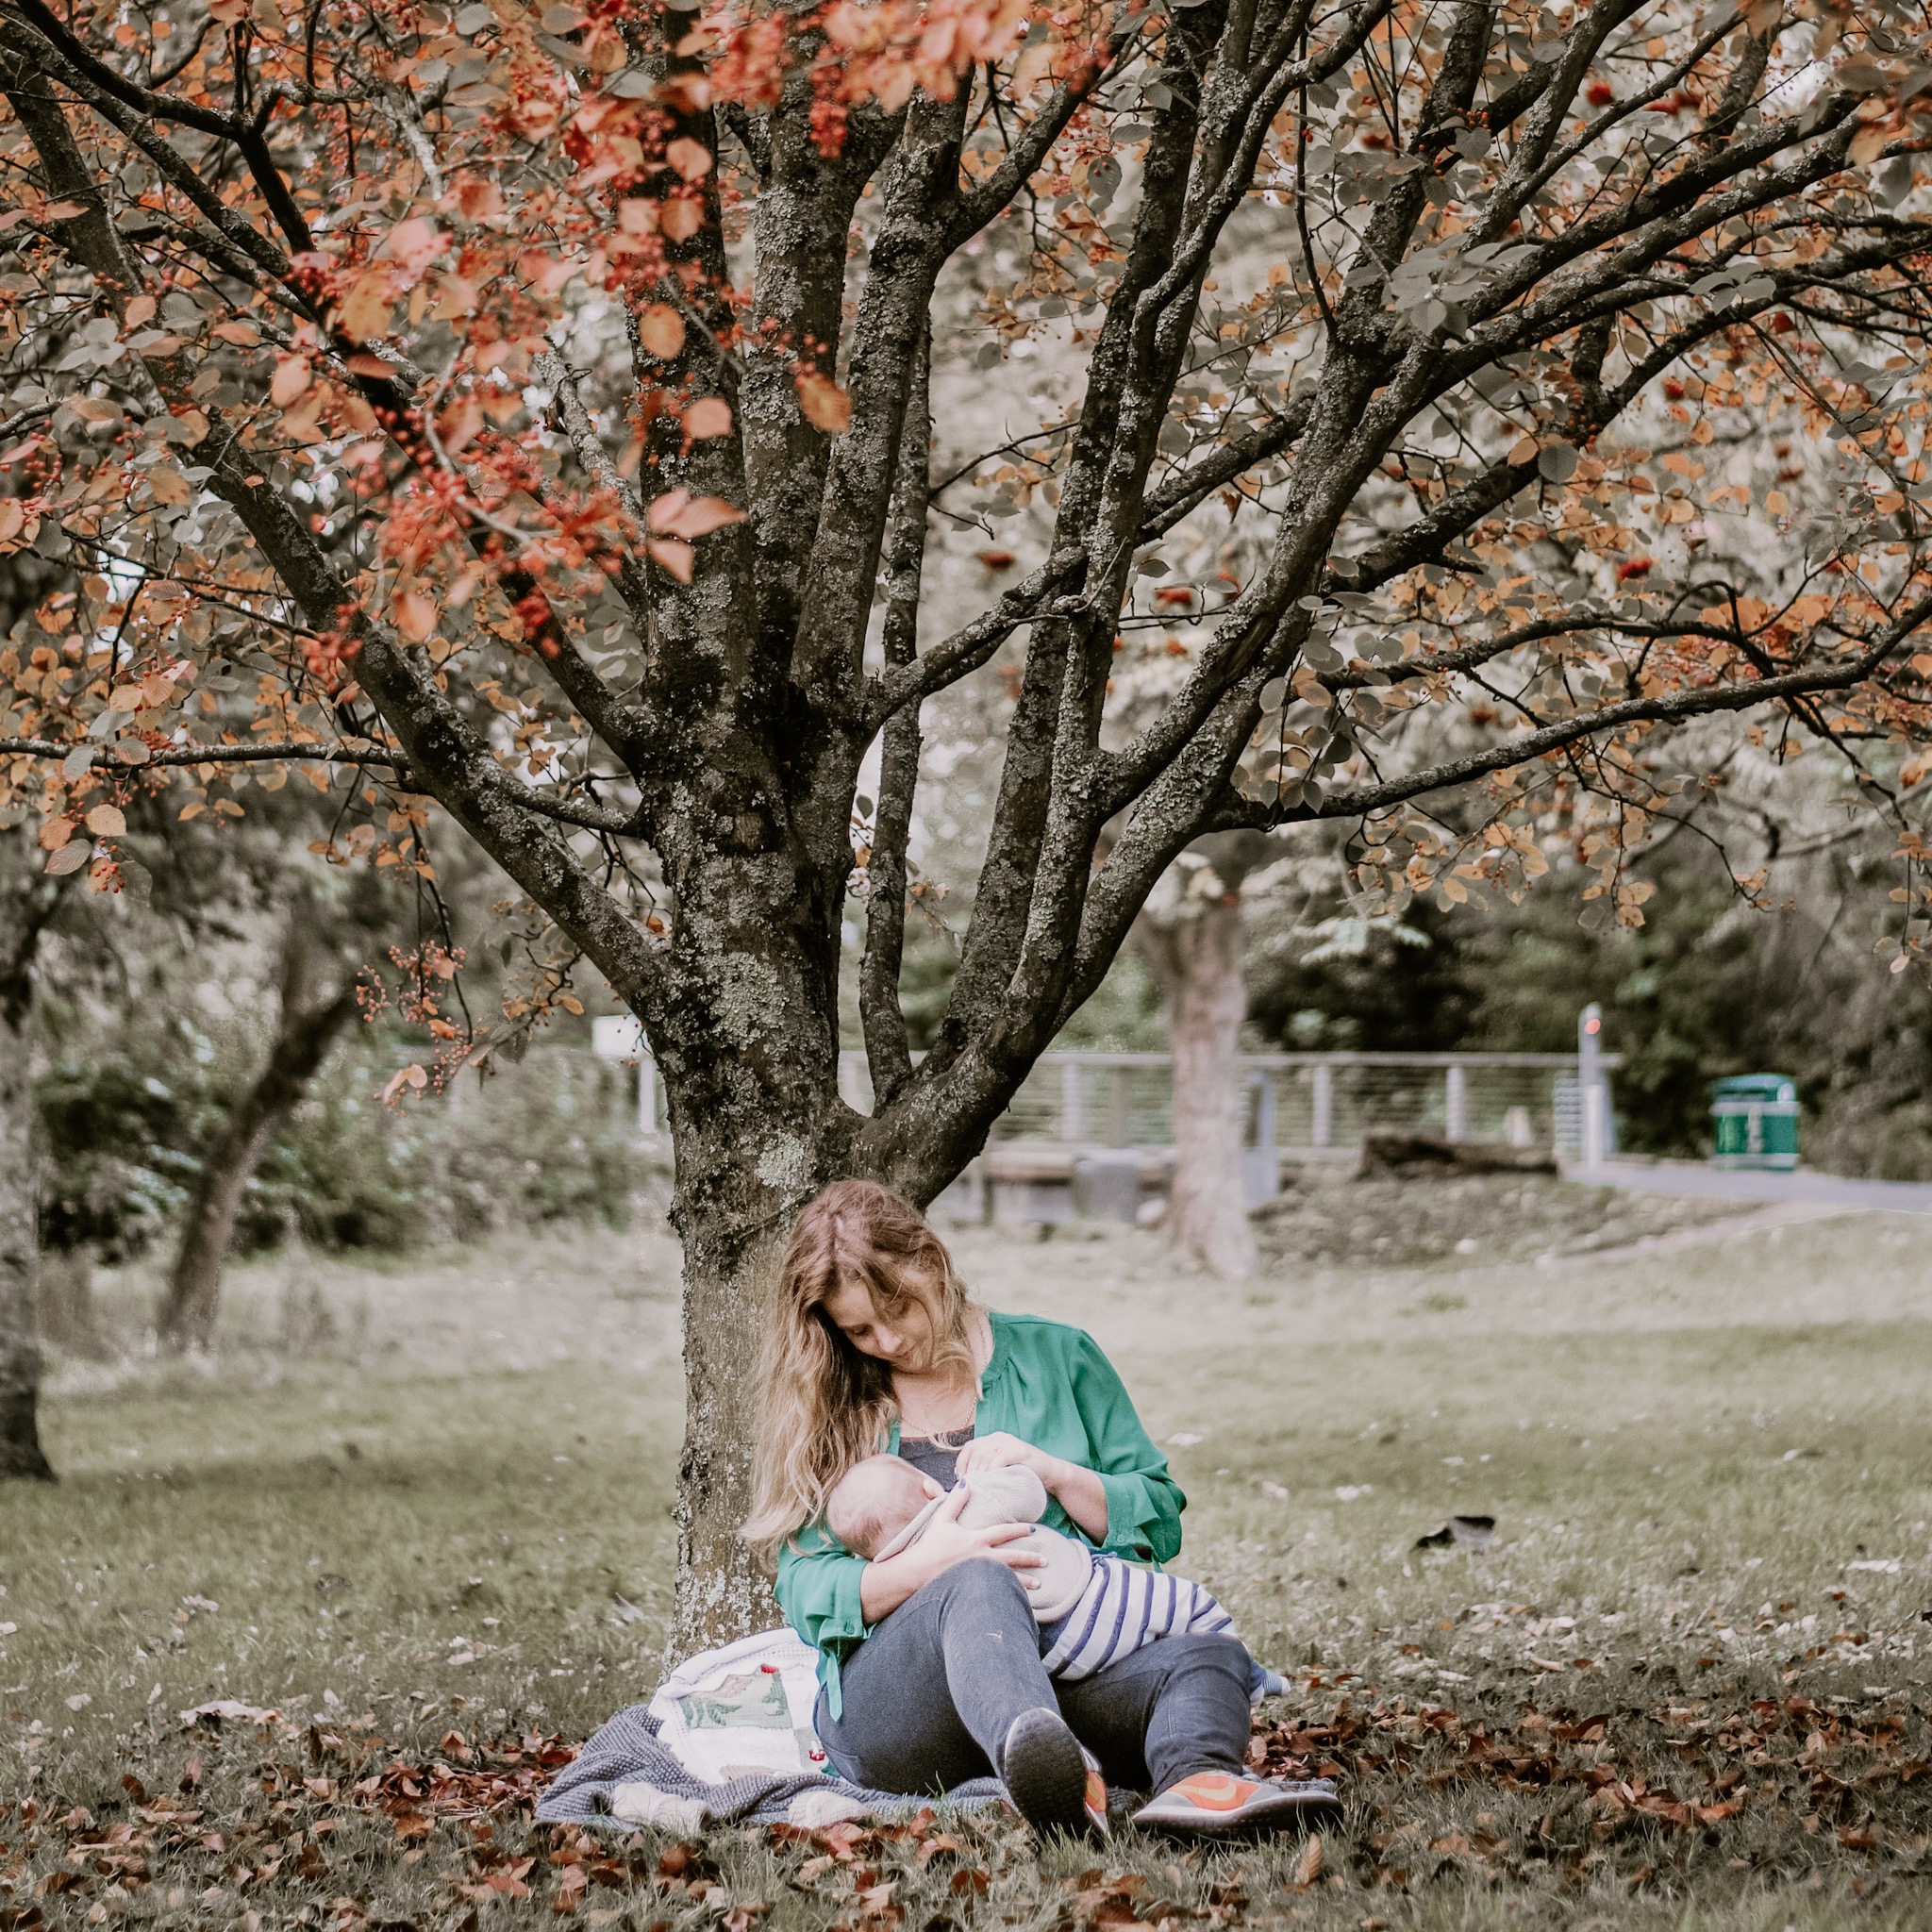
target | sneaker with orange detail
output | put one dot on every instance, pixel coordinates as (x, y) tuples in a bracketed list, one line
[(1216, 1804), (1094, 1802), (1052, 1778)]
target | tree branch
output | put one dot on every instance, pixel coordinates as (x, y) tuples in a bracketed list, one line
[(1658, 711), (246, 136), (880, 1011)]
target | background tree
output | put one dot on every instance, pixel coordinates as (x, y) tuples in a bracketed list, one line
[(324, 952), (27, 900), (1191, 934), (534, 402)]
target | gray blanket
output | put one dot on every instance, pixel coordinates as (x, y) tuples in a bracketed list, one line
[(626, 1751)]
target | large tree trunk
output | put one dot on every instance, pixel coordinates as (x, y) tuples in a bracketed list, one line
[(1196, 956), (723, 1592), (750, 1056), (24, 899), (308, 1025)]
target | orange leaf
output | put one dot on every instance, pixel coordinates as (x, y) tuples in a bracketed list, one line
[(692, 519), (292, 378), (671, 556), (692, 159), (461, 424), (365, 313), (709, 416), (681, 219), (661, 328), (105, 822), (56, 833), (826, 405), (415, 615), (1868, 144)]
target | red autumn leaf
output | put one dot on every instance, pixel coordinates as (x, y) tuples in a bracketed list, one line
[(679, 219), (680, 514), (661, 328), (292, 378), (707, 416), (671, 555), (826, 405), (691, 158)]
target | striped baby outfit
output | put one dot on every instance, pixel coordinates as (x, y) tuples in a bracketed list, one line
[(1092, 1608), (1124, 1607)]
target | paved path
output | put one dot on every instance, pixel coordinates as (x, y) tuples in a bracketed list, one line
[(1806, 1186)]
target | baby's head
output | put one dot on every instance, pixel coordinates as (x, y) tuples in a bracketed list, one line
[(873, 1502)]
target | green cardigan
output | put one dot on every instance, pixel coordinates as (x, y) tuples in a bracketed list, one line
[(1050, 1386)]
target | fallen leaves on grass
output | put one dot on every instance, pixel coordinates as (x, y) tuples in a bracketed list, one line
[(496, 1780), (1602, 1779), (1550, 1798)]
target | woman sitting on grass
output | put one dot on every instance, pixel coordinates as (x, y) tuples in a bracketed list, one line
[(930, 1668)]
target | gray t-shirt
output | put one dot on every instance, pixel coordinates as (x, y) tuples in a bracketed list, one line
[(936, 1456)]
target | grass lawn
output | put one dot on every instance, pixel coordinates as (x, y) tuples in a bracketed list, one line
[(420, 1514)]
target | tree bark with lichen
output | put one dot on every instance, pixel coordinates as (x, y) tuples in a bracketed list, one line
[(26, 900)]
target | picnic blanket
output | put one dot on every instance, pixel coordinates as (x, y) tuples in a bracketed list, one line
[(728, 1738)]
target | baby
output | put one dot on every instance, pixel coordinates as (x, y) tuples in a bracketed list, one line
[(1096, 1608)]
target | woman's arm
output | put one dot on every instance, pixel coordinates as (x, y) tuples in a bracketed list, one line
[(819, 1590), (1119, 1492), (1144, 1501), (1079, 1491), (832, 1598), (885, 1585)]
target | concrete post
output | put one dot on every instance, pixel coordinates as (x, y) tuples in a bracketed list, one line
[(1591, 1097), (1456, 1104), (1073, 1102), (1323, 1132)]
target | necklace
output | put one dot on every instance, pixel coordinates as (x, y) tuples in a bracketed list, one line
[(928, 1410), (938, 1412)]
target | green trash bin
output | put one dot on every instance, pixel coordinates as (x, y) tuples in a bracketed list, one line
[(1754, 1120)]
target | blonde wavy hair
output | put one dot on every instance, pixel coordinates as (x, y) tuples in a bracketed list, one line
[(823, 1406)]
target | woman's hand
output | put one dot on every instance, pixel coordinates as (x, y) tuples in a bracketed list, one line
[(1077, 1491), (1002, 1451), (886, 1584)]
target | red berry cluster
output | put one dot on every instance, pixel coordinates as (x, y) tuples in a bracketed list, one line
[(404, 428)]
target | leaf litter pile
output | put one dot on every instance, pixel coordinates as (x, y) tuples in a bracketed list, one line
[(1623, 1799)]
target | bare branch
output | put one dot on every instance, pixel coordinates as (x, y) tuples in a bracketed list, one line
[(879, 1009)]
